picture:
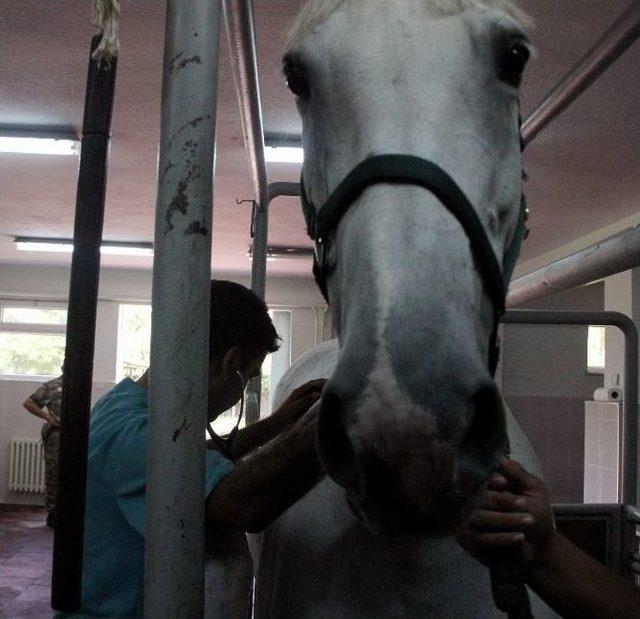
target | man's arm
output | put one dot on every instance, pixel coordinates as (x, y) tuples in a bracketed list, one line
[(257, 434), (44, 413), (268, 481), (576, 585), (515, 512)]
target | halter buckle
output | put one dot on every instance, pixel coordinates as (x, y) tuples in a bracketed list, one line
[(319, 252)]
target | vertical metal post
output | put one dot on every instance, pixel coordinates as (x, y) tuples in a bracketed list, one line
[(258, 285), (628, 465), (242, 44), (174, 560), (81, 325)]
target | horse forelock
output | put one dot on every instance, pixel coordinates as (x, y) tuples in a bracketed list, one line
[(317, 11)]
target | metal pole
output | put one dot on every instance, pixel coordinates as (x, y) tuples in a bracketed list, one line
[(628, 467), (614, 255), (174, 559), (81, 325), (242, 44), (613, 43)]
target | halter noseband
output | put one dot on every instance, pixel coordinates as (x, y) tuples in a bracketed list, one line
[(410, 170)]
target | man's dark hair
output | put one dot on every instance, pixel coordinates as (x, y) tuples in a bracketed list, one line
[(240, 318)]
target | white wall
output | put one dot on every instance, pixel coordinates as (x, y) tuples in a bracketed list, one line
[(309, 326)]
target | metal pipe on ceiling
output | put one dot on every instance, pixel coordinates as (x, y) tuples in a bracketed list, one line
[(68, 538), (240, 25), (179, 365), (628, 457), (613, 255), (609, 47)]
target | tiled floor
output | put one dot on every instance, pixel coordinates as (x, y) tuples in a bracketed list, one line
[(25, 563)]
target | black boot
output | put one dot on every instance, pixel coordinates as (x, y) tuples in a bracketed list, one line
[(51, 518)]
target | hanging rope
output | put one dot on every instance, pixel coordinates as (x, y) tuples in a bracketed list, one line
[(106, 14)]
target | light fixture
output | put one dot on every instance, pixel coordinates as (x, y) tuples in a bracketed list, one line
[(39, 144), (111, 248), (283, 149), (278, 252), (283, 154)]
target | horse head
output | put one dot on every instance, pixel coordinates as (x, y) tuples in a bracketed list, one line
[(412, 191)]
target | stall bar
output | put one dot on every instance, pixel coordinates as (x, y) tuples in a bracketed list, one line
[(175, 518), (241, 33), (81, 327)]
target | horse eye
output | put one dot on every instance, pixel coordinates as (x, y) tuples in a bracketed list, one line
[(296, 75), (513, 62)]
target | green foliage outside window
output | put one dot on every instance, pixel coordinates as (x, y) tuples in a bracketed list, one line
[(31, 353), (134, 341)]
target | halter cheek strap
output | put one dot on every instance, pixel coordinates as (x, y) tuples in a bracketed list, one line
[(410, 170)]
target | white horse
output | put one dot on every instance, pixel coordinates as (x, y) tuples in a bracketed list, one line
[(414, 252)]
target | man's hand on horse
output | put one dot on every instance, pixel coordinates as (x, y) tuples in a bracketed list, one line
[(300, 400), (513, 511)]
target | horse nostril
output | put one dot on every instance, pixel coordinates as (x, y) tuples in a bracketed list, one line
[(334, 445)]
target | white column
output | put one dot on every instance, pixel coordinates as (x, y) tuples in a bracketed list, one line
[(621, 294)]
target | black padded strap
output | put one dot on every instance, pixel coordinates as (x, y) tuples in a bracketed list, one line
[(410, 170)]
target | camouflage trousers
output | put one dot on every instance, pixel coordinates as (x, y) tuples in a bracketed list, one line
[(50, 440)]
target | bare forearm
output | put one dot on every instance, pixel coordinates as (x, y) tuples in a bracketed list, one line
[(34, 409), (576, 585), (266, 483), (258, 434)]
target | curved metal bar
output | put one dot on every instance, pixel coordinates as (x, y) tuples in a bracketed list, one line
[(240, 25), (628, 467)]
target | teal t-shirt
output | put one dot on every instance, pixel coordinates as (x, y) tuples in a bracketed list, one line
[(113, 569)]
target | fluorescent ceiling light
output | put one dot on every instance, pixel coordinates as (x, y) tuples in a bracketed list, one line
[(110, 248), (126, 249), (39, 145), (51, 246), (283, 154), (277, 252)]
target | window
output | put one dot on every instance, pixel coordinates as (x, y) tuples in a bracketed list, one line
[(595, 349), (278, 363), (32, 338), (134, 341)]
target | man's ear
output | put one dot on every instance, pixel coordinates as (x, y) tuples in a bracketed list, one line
[(231, 361)]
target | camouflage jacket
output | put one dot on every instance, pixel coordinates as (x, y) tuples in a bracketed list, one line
[(49, 395)]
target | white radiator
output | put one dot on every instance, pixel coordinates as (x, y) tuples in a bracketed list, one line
[(26, 465)]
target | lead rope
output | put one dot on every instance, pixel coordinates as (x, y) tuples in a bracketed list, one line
[(507, 586), (106, 14), (508, 576)]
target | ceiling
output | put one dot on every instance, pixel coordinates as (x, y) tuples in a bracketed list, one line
[(584, 169)]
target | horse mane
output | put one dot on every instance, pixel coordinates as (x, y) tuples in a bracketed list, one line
[(316, 11)]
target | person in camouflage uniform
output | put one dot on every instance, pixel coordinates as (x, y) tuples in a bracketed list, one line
[(46, 403)]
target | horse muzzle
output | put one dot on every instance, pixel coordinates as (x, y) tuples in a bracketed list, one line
[(409, 475)]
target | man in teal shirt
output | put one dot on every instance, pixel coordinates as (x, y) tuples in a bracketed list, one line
[(245, 496)]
